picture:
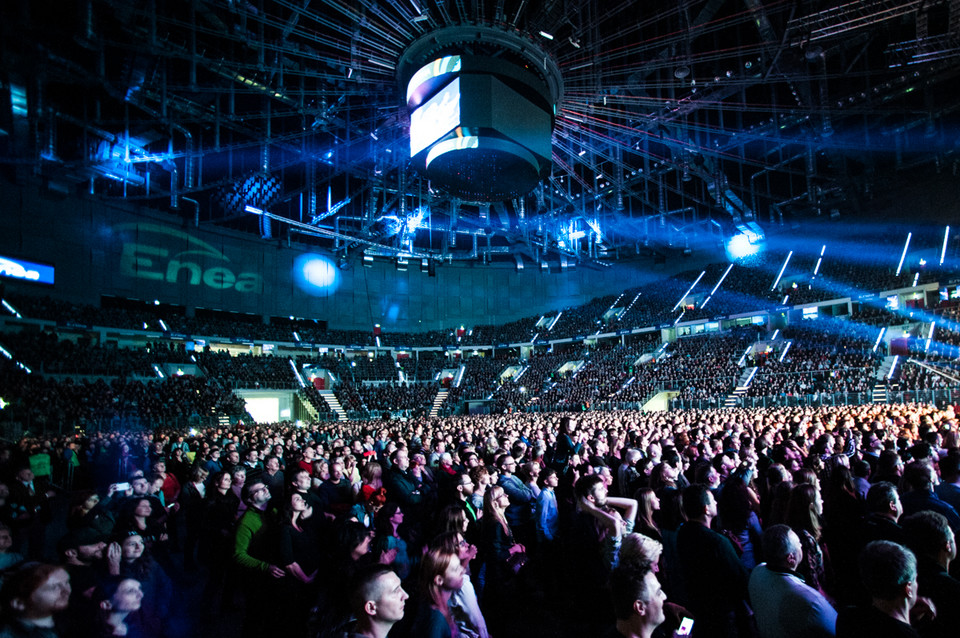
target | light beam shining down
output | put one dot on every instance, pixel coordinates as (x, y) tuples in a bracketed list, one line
[(710, 296), (819, 259), (879, 337), (904, 255), (943, 251), (782, 268), (702, 273)]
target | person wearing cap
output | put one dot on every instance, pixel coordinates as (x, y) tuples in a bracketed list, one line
[(79, 551)]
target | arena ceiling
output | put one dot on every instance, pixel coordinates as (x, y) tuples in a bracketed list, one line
[(673, 121)]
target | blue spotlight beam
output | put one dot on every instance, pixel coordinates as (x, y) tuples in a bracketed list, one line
[(904, 254), (943, 251), (934, 370), (879, 337), (782, 268), (692, 286), (722, 277), (819, 259)]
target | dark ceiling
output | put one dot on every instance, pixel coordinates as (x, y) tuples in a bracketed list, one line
[(678, 121)]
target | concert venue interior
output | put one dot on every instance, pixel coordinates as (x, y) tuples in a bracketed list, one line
[(323, 211)]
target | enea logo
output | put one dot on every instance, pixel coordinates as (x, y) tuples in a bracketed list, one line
[(143, 261)]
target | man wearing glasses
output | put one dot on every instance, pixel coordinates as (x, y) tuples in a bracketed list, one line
[(522, 501)]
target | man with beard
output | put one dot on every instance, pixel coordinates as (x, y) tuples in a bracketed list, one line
[(80, 550)]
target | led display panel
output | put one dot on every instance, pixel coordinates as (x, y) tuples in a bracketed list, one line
[(24, 270), (437, 117)]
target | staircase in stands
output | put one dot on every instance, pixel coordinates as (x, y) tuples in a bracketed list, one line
[(437, 402), (743, 384), (334, 404)]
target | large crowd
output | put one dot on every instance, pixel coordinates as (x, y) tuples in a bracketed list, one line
[(813, 360), (850, 268), (500, 525), (557, 515)]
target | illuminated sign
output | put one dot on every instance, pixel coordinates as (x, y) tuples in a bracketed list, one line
[(437, 68), (26, 270), (143, 261), (437, 117)]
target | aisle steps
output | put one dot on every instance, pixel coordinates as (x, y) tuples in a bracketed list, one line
[(743, 384), (437, 402), (334, 404)]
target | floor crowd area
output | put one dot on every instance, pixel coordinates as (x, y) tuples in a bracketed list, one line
[(507, 525)]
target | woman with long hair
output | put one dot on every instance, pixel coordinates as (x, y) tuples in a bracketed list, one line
[(138, 517), (371, 479), (497, 542), (238, 478), (469, 618), (738, 521), (300, 556), (441, 574), (779, 504), (220, 513), (299, 550), (452, 518), (388, 539), (352, 473), (648, 506), (216, 546), (842, 511), (803, 516), (129, 557), (569, 443)]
